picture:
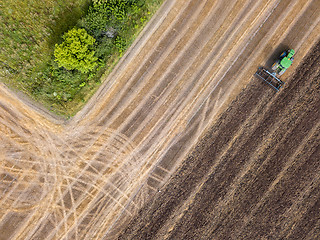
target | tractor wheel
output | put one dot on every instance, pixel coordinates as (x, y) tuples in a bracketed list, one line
[(282, 72), (283, 54), (275, 65)]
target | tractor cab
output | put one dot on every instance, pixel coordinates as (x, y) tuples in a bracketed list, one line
[(284, 62)]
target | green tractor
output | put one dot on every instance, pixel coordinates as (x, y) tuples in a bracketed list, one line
[(284, 62), (279, 67)]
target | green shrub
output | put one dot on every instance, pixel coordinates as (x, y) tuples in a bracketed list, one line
[(105, 48), (120, 44), (76, 51), (104, 14)]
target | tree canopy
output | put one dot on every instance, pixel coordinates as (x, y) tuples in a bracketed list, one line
[(76, 51)]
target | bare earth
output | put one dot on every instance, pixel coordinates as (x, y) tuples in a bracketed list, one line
[(255, 174)]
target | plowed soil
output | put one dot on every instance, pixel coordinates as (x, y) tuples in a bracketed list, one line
[(255, 174), (87, 177)]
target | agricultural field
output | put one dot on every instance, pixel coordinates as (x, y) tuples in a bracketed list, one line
[(254, 175), (180, 141)]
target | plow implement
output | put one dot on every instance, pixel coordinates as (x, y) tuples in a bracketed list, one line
[(269, 78)]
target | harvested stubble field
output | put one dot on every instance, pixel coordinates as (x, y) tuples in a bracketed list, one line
[(255, 174)]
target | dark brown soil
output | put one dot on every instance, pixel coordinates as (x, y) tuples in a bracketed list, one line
[(254, 175)]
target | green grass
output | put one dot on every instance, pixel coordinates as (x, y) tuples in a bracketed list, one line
[(29, 31)]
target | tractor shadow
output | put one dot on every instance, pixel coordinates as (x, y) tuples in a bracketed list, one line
[(276, 53)]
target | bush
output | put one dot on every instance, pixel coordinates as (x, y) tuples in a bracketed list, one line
[(106, 14), (105, 49), (120, 44), (76, 51)]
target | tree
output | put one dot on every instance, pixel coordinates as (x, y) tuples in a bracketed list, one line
[(76, 51)]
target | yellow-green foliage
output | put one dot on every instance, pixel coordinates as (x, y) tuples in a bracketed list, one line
[(76, 51)]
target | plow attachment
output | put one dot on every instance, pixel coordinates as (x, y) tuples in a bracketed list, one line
[(269, 78)]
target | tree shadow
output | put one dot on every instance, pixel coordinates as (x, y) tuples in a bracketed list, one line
[(66, 20)]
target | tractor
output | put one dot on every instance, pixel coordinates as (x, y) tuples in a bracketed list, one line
[(284, 62), (279, 67)]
